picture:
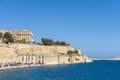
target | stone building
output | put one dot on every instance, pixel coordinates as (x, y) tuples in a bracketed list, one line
[(62, 59), (20, 36), (42, 59)]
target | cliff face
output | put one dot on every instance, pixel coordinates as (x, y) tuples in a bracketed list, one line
[(14, 53), (39, 49), (7, 55)]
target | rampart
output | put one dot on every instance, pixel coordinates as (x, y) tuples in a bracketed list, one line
[(27, 53), (40, 49)]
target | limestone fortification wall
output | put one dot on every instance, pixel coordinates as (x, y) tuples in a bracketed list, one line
[(39, 49), (7, 55), (11, 53)]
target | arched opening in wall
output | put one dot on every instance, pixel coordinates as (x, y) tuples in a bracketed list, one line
[(39, 59), (42, 59), (39, 62)]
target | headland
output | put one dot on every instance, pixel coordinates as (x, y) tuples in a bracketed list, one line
[(22, 52)]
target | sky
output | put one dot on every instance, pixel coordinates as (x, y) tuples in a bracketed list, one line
[(91, 25)]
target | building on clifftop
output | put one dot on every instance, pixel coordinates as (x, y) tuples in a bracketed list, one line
[(20, 36)]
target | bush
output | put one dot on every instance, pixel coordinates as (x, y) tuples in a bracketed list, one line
[(46, 41), (7, 37), (1, 35), (73, 52), (70, 52)]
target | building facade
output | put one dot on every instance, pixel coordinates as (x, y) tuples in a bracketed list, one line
[(42, 59), (20, 36)]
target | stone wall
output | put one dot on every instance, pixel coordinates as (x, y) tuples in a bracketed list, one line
[(7, 55), (62, 59), (39, 49), (26, 53)]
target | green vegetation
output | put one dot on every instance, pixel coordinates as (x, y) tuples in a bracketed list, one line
[(76, 51), (38, 43), (70, 52), (1, 35), (8, 38), (73, 52), (46, 41)]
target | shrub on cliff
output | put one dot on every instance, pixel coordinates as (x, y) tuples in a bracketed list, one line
[(1, 35), (76, 52), (46, 41), (70, 52), (73, 52), (7, 37)]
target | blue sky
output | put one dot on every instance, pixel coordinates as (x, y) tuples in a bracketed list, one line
[(91, 25)]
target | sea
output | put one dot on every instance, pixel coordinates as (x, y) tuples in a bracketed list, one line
[(97, 70)]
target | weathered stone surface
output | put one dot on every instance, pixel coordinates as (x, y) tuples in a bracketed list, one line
[(39, 49), (7, 55), (10, 53)]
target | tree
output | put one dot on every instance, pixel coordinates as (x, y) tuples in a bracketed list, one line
[(46, 41), (70, 52), (63, 43), (34, 42), (1, 35), (73, 52), (76, 52), (67, 44), (57, 43), (38, 43), (7, 37)]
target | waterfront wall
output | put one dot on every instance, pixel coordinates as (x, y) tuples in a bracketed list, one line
[(42, 59), (39, 49), (7, 55), (26, 53), (12, 53)]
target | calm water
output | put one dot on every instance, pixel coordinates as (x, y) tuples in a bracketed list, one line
[(98, 70)]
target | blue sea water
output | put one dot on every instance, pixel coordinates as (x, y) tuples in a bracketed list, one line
[(98, 70)]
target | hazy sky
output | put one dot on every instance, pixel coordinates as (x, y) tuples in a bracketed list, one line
[(91, 25)]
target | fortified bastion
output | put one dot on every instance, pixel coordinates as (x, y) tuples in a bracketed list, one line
[(27, 53), (41, 49)]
